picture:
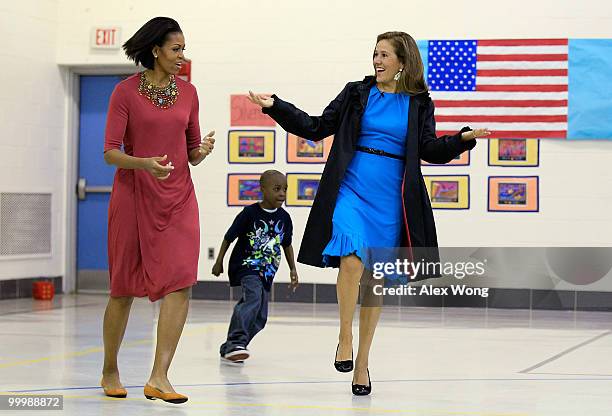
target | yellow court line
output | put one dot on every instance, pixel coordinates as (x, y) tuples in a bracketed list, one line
[(429, 412), (97, 349), (70, 354)]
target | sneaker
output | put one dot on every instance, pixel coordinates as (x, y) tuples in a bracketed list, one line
[(236, 363), (237, 354)]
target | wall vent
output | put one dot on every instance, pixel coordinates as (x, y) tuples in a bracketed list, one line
[(25, 224)]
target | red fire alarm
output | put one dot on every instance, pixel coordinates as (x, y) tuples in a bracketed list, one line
[(185, 71)]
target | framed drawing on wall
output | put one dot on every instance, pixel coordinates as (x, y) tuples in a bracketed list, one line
[(514, 152), (251, 146), (513, 193), (243, 189), (301, 150), (302, 188), (448, 191)]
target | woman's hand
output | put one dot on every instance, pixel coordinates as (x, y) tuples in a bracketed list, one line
[(159, 171), (207, 144), (474, 134), (262, 100)]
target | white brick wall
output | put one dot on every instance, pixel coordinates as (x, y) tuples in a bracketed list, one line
[(32, 109)]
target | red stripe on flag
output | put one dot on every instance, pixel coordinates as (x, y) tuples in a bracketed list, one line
[(522, 42), (500, 103), (503, 119), (520, 88), (523, 57), (517, 134), (521, 72)]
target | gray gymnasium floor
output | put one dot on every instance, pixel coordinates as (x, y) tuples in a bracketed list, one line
[(425, 361)]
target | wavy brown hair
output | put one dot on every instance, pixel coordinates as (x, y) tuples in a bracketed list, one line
[(412, 79)]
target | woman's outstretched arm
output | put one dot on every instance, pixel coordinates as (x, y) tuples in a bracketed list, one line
[(298, 122)]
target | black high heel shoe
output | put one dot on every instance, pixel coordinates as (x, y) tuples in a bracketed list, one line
[(343, 366), (360, 389)]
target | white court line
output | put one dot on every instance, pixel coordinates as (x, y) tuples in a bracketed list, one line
[(567, 351)]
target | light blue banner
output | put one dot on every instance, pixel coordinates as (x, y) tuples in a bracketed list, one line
[(590, 89)]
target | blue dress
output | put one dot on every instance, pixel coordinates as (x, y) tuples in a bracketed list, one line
[(368, 210)]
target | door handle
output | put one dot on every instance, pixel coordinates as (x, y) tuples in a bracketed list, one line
[(83, 189)]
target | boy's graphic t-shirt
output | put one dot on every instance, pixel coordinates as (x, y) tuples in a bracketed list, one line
[(260, 237)]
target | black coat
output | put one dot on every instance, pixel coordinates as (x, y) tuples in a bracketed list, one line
[(342, 118)]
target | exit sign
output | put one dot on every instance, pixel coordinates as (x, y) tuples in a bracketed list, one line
[(105, 38)]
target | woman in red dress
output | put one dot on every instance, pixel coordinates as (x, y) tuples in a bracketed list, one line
[(153, 226)]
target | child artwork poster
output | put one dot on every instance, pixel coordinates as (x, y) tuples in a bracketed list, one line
[(448, 191), (309, 148), (245, 113), (307, 189), (512, 149), (249, 190), (251, 146), (302, 189), (243, 189), (444, 191), (300, 150), (513, 194), (514, 152)]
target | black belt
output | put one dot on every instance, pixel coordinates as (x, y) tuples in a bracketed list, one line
[(379, 152)]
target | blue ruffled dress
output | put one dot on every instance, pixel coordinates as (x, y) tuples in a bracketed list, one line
[(368, 210)]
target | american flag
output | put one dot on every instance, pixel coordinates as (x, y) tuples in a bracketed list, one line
[(518, 88)]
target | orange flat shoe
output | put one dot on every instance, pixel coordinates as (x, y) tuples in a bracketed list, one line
[(153, 393), (115, 393)]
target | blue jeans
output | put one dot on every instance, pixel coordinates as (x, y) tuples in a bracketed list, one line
[(250, 314)]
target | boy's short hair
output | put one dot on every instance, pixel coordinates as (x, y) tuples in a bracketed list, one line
[(267, 175)]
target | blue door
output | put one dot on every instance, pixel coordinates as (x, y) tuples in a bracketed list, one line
[(95, 182)]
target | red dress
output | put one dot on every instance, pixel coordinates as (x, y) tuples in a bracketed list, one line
[(153, 225)]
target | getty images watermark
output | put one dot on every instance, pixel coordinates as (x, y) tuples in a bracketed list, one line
[(401, 270), (412, 272)]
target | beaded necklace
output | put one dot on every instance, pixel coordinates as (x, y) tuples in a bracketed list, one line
[(162, 97)]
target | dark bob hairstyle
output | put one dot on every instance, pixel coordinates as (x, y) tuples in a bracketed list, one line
[(139, 48)]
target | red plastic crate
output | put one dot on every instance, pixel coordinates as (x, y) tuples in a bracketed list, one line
[(43, 290)]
